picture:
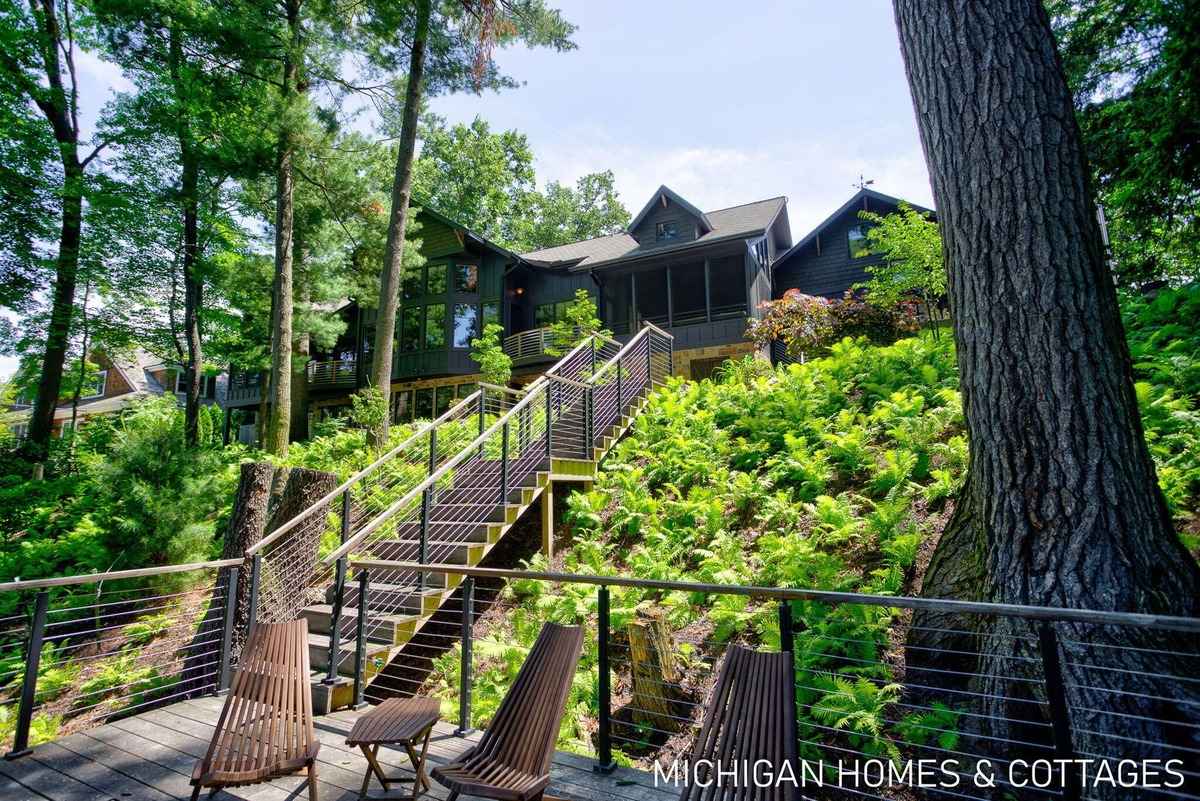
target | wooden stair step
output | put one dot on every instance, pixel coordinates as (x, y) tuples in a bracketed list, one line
[(378, 655), (392, 628)]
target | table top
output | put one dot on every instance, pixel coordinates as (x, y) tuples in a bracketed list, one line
[(396, 720)]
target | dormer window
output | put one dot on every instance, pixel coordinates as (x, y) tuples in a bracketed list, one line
[(666, 231)]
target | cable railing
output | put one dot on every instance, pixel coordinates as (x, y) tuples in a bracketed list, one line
[(77, 651), (1032, 703)]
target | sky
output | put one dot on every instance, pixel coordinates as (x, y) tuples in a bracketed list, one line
[(726, 103)]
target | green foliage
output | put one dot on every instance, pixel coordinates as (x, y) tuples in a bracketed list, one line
[(859, 708), (580, 321), (369, 409), (913, 267), (488, 352), (808, 325), (147, 628)]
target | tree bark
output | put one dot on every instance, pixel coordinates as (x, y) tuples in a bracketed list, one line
[(658, 701), (281, 320), (298, 413), (1061, 506), (389, 284)]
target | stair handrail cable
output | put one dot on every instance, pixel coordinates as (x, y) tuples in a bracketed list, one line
[(345, 485), (450, 464)]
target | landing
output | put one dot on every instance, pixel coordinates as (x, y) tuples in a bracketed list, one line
[(149, 757)]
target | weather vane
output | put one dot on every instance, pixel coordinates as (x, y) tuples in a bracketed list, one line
[(863, 183)]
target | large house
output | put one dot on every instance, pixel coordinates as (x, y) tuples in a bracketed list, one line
[(698, 274)]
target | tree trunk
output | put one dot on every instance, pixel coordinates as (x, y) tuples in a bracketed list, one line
[(1061, 506), (281, 321), (298, 413), (389, 284), (658, 701), (83, 353)]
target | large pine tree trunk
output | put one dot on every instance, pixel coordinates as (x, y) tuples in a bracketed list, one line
[(1061, 506), (389, 282)]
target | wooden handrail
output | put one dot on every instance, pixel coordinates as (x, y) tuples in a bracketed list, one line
[(113, 575), (1093, 616), (345, 485)]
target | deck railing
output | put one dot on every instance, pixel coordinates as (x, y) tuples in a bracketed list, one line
[(528, 345), (1030, 702), (79, 650), (332, 373)]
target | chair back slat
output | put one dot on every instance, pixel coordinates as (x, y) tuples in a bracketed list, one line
[(751, 716)]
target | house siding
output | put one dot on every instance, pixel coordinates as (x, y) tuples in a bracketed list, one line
[(827, 271), (687, 224)]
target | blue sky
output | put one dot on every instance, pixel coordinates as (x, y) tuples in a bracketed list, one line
[(724, 102)]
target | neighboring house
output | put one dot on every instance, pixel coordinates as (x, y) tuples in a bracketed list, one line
[(697, 274), (833, 257), (121, 380)]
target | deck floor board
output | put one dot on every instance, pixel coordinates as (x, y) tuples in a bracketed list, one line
[(149, 757)]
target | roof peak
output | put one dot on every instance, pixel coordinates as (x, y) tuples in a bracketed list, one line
[(664, 193)]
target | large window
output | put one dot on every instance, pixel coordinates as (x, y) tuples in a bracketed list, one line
[(423, 404), (208, 385), (666, 231), (491, 313), (410, 329), (652, 296), (687, 293), (466, 324), (445, 398), (95, 387), (435, 284), (414, 284), (727, 287), (466, 278), (435, 326), (856, 239), (543, 315), (402, 406)]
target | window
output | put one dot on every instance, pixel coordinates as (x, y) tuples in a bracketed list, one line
[(762, 252), (466, 324), (368, 343), (208, 385), (95, 387), (727, 287), (410, 329), (666, 230), (543, 315), (466, 278), (423, 404), (856, 238), (491, 314), (435, 326), (445, 398), (414, 284), (402, 409), (687, 293), (435, 284), (466, 389), (652, 296)]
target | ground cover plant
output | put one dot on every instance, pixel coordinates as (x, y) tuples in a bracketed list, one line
[(836, 474)]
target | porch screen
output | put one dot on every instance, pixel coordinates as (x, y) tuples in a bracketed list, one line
[(617, 299), (727, 287), (687, 293), (652, 296)]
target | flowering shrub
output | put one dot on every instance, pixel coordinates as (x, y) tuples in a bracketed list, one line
[(807, 325)]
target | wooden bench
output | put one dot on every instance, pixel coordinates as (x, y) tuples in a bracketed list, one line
[(751, 716), (266, 726), (512, 760)]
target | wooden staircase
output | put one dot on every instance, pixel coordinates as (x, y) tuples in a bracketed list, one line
[(462, 531)]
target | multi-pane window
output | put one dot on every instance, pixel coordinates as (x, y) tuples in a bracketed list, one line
[(435, 326), (466, 389), (491, 313), (543, 315), (95, 387), (402, 406), (466, 278), (423, 404), (856, 239), (435, 283), (445, 398), (666, 231), (414, 284), (410, 329), (466, 322)]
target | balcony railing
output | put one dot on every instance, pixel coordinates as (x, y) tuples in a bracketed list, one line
[(334, 373), (528, 345)]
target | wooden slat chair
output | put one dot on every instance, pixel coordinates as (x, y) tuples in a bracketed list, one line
[(266, 726), (512, 760), (751, 716)]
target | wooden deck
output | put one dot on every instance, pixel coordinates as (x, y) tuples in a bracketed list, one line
[(149, 757)]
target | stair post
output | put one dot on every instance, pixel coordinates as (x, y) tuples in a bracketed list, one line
[(360, 639), (423, 548), (231, 599), (671, 357), (649, 366), (504, 464), (604, 690), (587, 423), (549, 430), (482, 411), (255, 578), (466, 668), (620, 399), (339, 588)]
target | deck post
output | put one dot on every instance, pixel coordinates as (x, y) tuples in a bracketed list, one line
[(466, 669), (360, 639), (33, 658), (255, 578), (1060, 715), (604, 691), (231, 599)]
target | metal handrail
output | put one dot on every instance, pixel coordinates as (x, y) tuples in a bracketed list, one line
[(436, 475), (645, 332), (345, 485), (114, 575), (1093, 616)]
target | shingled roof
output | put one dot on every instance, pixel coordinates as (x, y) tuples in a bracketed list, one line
[(735, 222)]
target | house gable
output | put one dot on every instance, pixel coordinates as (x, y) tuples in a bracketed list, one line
[(668, 219)]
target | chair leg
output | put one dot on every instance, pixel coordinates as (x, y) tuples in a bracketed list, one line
[(313, 794), (196, 791)]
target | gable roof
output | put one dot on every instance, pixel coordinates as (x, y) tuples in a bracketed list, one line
[(666, 192), (735, 222), (849, 204)]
